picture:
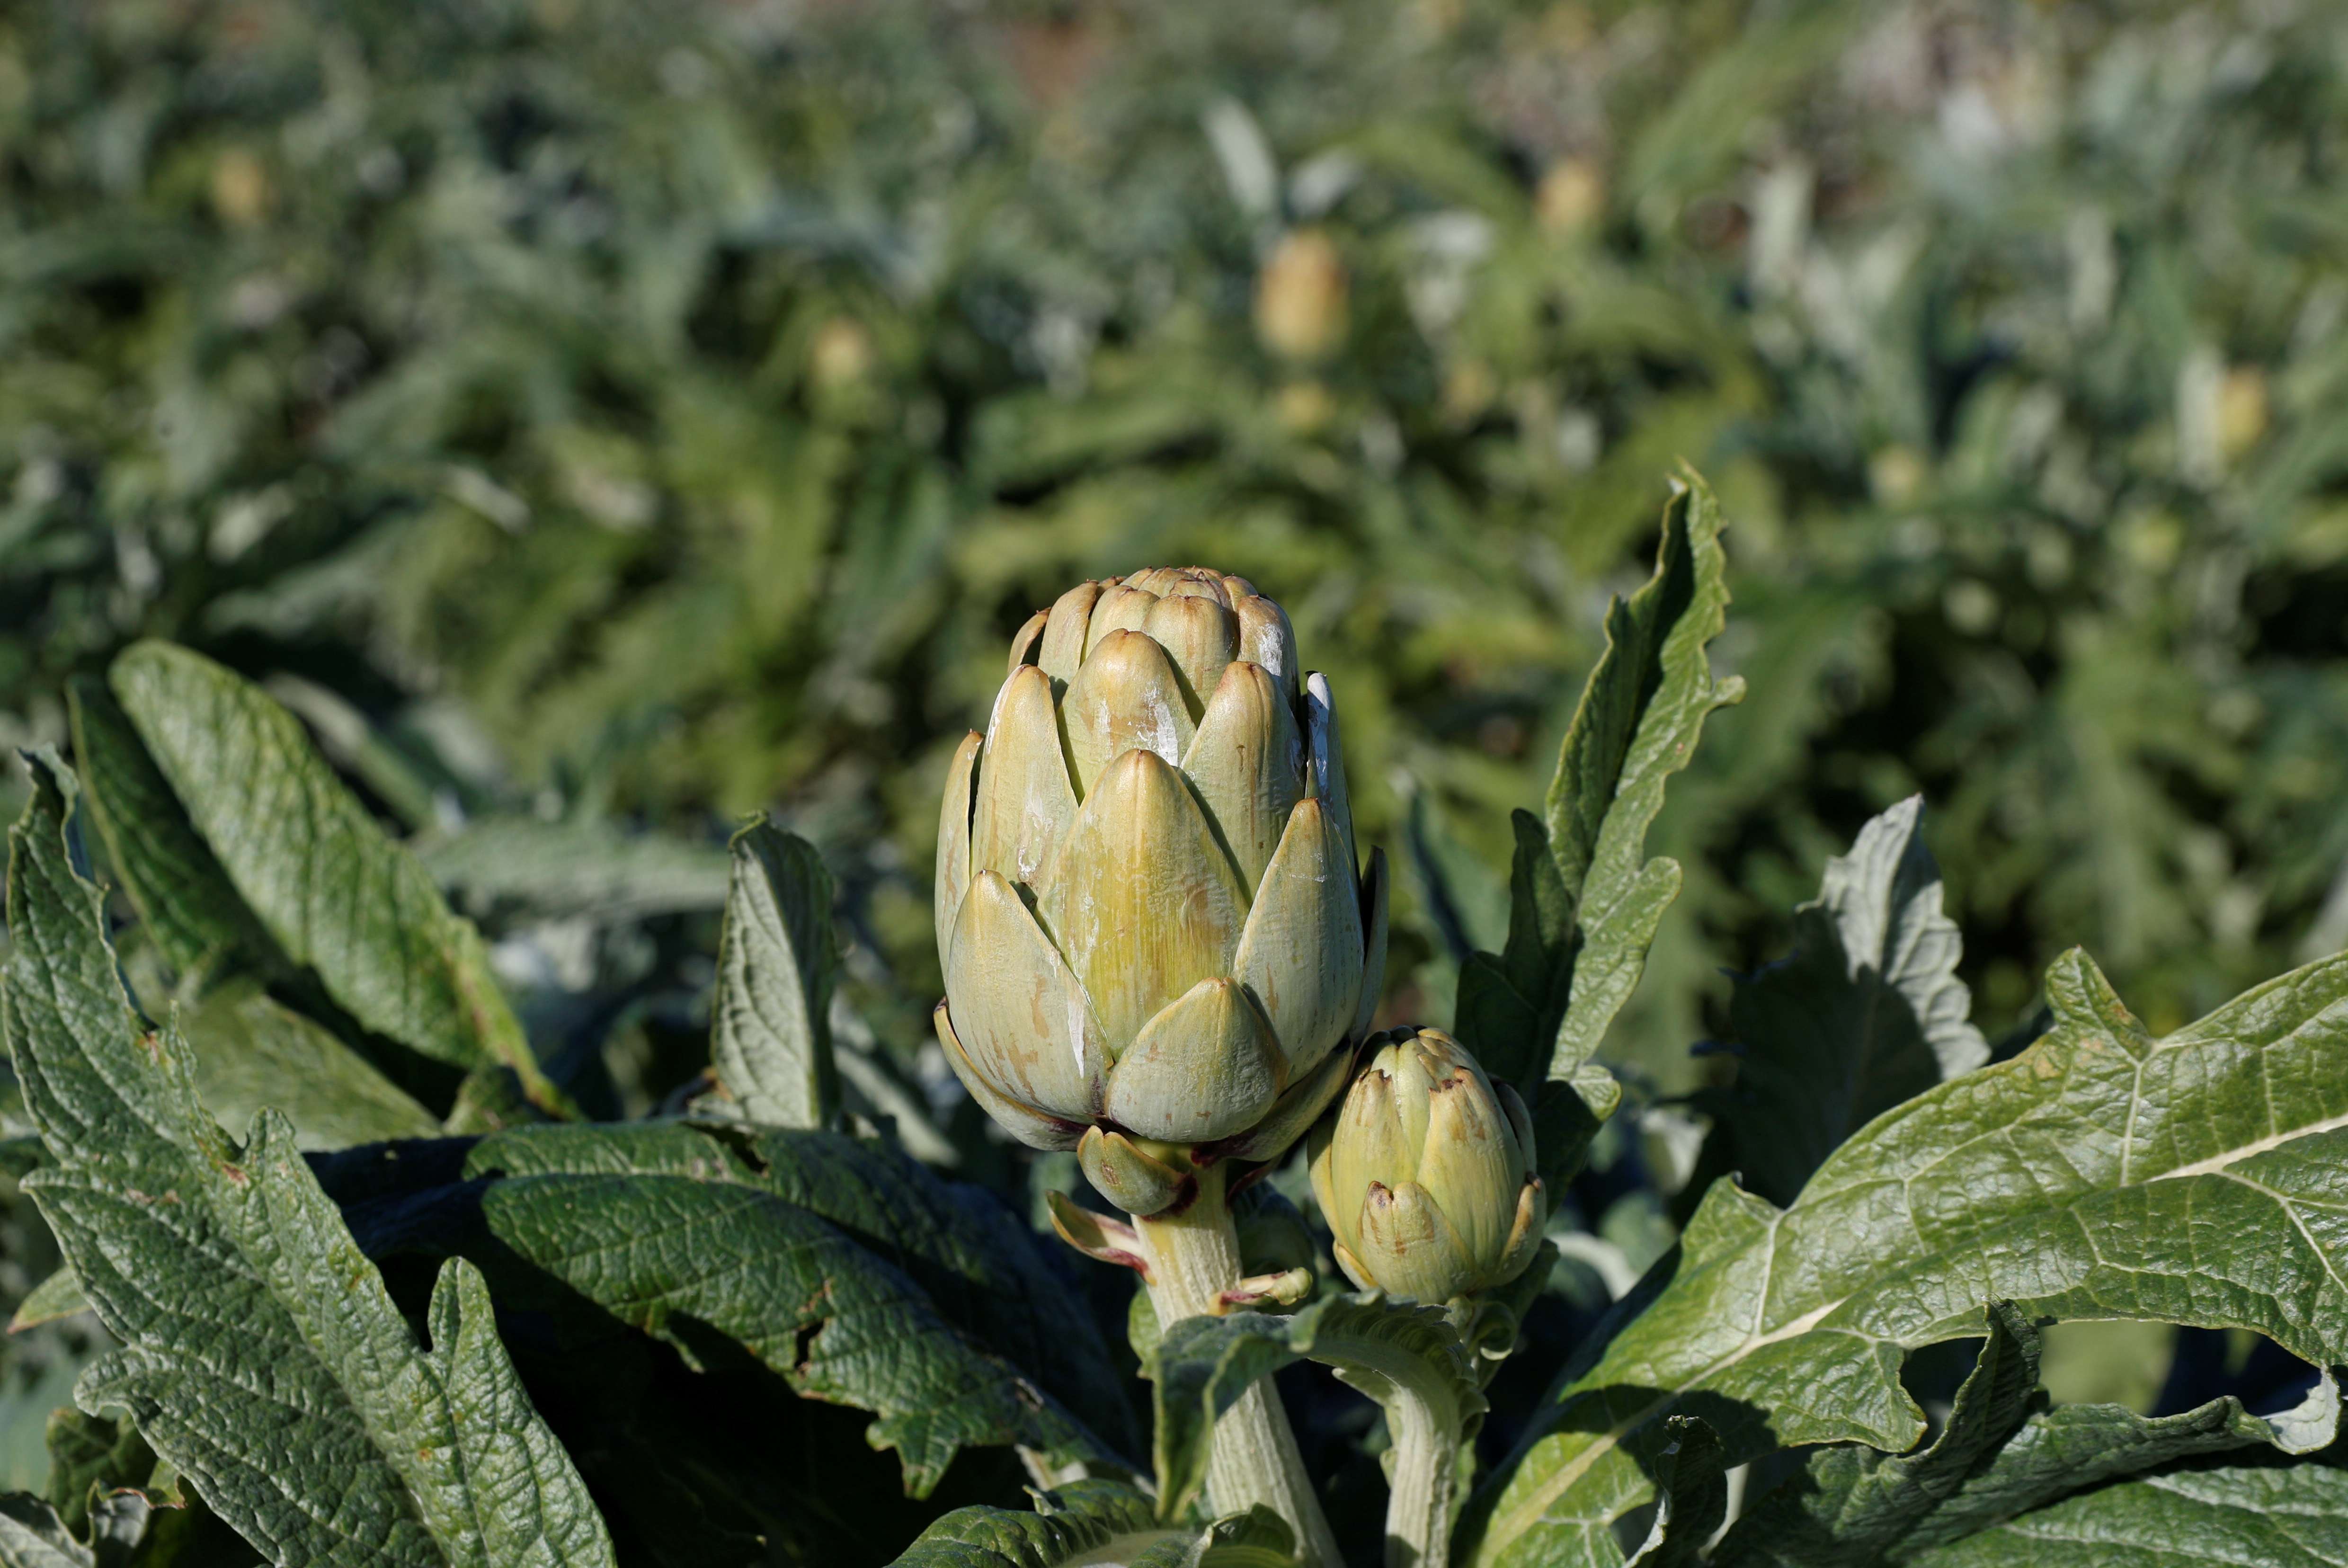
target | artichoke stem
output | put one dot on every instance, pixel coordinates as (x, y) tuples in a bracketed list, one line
[(1194, 1258), (1426, 1472)]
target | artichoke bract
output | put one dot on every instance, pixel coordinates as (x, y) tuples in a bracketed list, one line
[(1154, 934), (1426, 1173)]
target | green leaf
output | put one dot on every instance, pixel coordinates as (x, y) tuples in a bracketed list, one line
[(1081, 1520), (337, 895), (59, 1295), (33, 1536), (1867, 1013), (1639, 718), (98, 1465), (1256, 1539), (185, 901), (1097, 1521), (1584, 900), (2070, 1447), (251, 1051), (2290, 1517), (770, 1029), (261, 1354), (2102, 1174), (1852, 1505), (846, 1267), (1691, 1496), (1201, 1366), (554, 871)]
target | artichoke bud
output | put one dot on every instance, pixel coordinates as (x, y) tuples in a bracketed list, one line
[(1426, 1173), (1149, 915)]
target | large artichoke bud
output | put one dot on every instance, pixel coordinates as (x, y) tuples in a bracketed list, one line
[(1153, 932), (1426, 1173)]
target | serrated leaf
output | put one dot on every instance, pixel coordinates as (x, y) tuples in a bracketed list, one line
[(848, 1268), (1639, 718), (1584, 898), (185, 901), (1850, 1504), (2293, 1516), (1867, 1012), (770, 1026), (2197, 1179), (555, 870), (261, 1354), (1201, 1366), (251, 1050), (2071, 1448), (340, 898)]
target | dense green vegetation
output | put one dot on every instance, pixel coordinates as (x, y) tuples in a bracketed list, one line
[(599, 422)]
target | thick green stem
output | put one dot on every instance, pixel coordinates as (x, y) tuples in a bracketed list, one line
[(1194, 1258), (1426, 1472)]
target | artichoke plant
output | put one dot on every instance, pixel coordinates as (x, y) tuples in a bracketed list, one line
[(1153, 932), (1425, 1173), (1157, 946)]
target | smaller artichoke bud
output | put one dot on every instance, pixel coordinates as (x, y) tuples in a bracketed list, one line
[(1425, 1172)]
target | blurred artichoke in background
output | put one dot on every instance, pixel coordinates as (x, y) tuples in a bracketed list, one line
[(1153, 932), (1426, 1173)]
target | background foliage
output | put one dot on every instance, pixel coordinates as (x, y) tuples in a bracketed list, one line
[(595, 418)]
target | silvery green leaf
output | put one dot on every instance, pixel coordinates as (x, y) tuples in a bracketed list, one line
[(770, 1026), (557, 871), (2102, 1174), (1867, 1012)]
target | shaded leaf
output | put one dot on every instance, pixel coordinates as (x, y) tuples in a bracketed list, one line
[(770, 1026), (2197, 1179), (1851, 1505), (1691, 1496), (338, 896), (846, 1267), (261, 1355), (2289, 1517), (251, 1051), (33, 1536), (1867, 1012)]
